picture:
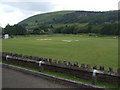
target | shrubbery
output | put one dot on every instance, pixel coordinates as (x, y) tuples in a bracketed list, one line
[(14, 30), (104, 29)]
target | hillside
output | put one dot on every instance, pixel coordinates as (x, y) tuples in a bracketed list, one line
[(42, 19), (68, 17)]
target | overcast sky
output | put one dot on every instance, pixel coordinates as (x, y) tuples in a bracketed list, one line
[(14, 11)]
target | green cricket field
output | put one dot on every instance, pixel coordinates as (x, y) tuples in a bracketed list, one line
[(81, 48)]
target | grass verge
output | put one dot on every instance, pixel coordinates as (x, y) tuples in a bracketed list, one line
[(105, 85)]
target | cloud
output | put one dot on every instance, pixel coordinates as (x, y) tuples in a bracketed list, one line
[(31, 6), (14, 12), (9, 14), (97, 5)]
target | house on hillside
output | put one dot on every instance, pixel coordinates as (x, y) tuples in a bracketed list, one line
[(30, 31)]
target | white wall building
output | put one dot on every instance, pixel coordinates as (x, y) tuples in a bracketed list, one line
[(6, 36)]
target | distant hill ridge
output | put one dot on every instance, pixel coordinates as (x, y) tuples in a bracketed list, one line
[(69, 17)]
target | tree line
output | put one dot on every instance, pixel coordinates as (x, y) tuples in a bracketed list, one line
[(14, 30), (75, 28), (42, 29), (103, 29)]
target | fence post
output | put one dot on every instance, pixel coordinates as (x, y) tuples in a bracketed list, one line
[(7, 57), (110, 69), (41, 66), (94, 77)]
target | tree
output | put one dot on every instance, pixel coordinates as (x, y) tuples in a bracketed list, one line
[(36, 31), (8, 30), (109, 29), (14, 30), (19, 30), (105, 29)]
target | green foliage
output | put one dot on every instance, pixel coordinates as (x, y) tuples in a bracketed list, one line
[(110, 29), (43, 19), (96, 28), (43, 29), (69, 17), (36, 31), (14, 30), (69, 22), (102, 84), (105, 29)]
